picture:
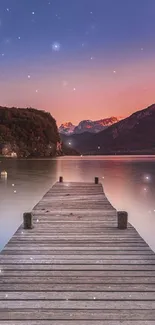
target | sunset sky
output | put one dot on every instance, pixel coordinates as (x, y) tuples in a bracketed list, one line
[(78, 59)]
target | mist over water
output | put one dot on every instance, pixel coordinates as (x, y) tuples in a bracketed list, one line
[(129, 183)]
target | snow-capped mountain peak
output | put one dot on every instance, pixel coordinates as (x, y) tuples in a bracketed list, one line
[(88, 126)]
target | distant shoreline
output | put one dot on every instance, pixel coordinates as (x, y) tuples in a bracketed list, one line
[(83, 157)]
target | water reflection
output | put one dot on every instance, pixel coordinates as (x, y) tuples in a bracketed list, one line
[(128, 182)]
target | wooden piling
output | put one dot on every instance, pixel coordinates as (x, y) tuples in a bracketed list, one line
[(60, 179), (122, 218), (96, 180), (27, 220)]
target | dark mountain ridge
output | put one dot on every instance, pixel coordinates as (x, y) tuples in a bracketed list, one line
[(134, 134)]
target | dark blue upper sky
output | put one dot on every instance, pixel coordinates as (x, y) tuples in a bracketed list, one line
[(101, 24), (69, 36)]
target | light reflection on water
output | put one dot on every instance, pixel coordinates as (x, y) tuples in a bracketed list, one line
[(129, 183)]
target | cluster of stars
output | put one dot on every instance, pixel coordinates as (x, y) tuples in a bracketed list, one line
[(58, 16), (146, 179), (15, 191)]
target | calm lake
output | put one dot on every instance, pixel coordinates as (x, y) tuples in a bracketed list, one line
[(129, 183)]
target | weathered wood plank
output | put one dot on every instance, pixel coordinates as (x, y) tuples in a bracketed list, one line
[(76, 322), (78, 304), (77, 267), (20, 247), (76, 240), (83, 317), (79, 273), (87, 295), (76, 237), (101, 287), (110, 214), (95, 257), (35, 261), (78, 279), (86, 253)]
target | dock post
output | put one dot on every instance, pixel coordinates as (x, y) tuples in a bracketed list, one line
[(60, 179), (27, 218), (122, 217), (96, 180)]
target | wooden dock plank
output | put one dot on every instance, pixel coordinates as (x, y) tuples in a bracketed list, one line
[(80, 314), (101, 287), (75, 266), (75, 279), (86, 295), (80, 273), (77, 322), (78, 304), (49, 258)]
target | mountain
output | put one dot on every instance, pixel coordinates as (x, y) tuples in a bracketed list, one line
[(66, 128), (28, 132), (88, 126), (134, 134), (95, 126)]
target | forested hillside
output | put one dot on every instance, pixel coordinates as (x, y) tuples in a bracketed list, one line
[(28, 132)]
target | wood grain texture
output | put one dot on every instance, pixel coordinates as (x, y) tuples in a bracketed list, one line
[(76, 322), (75, 267)]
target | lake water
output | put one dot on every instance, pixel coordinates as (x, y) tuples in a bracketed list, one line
[(129, 183)]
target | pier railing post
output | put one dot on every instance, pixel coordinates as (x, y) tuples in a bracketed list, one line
[(27, 220), (60, 179), (96, 180), (122, 218)]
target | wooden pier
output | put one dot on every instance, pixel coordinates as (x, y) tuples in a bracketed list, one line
[(75, 267)]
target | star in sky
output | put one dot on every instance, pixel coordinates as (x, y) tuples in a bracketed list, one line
[(56, 46), (147, 178)]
